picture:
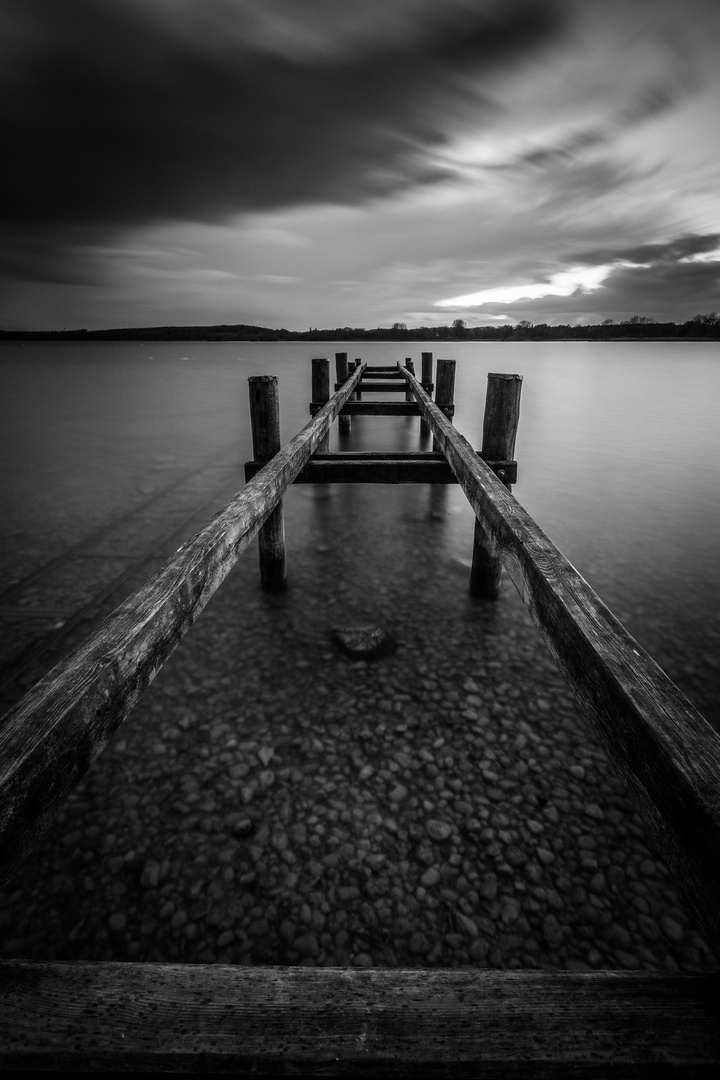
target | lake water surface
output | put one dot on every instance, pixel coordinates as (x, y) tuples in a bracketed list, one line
[(618, 451)]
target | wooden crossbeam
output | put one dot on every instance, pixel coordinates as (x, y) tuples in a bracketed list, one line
[(379, 408), (131, 1018), (382, 374), (380, 467), (379, 387)]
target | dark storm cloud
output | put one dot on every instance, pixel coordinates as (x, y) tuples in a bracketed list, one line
[(111, 120), (670, 252)]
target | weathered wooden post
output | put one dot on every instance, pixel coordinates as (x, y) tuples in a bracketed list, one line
[(411, 368), (265, 421), (342, 371), (500, 424), (426, 380), (321, 393), (444, 387), (427, 370), (357, 396)]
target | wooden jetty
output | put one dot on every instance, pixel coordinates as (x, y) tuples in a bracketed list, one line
[(174, 1018)]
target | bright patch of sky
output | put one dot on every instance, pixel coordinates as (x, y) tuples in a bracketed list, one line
[(564, 283)]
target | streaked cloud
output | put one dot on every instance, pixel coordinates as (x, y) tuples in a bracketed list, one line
[(343, 164)]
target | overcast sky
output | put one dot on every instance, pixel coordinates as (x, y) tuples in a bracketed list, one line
[(329, 163)]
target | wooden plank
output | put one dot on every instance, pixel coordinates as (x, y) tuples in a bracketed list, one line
[(50, 739), (380, 387), (379, 468), (667, 753), (133, 1018), (381, 373), (380, 408)]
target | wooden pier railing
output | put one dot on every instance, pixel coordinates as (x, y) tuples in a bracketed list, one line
[(195, 1018)]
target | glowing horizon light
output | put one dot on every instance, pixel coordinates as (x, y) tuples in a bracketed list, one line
[(564, 283)]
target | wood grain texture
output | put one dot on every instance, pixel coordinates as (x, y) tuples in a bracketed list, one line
[(50, 739), (444, 387), (667, 753), (426, 370), (265, 424), (342, 371), (335, 1021), (321, 389), (500, 424), (502, 415)]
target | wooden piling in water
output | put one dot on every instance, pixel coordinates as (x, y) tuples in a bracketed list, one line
[(426, 381), (321, 392), (411, 368), (342, 370), (500, 424), (426, 376), (265, 422), (444, 387), (357, 396)]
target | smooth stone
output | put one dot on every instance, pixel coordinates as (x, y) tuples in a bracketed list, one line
[(509, 910), (307, 946), (488, 887), (363, 642), (431, 877), (418, 943), (673, 929), (150, 877), (467, 925), (552, 931), (438, 830)]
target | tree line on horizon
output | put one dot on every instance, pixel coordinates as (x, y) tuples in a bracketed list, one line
[(637, 326)]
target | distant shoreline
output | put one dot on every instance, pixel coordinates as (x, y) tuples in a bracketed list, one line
[(701, 328)]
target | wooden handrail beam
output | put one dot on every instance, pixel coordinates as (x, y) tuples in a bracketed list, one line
[(667, 753), (51, 738), (132, 1018)]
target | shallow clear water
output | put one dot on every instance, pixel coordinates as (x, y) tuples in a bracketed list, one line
[(618, 452)]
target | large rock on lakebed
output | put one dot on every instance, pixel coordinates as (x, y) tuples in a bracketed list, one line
[(363, 642)]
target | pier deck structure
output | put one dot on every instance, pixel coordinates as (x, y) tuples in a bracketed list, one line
[(187, 1018)]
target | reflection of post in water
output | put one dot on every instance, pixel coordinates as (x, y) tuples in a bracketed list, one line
[(438, 501)]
